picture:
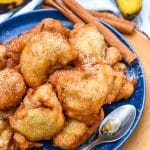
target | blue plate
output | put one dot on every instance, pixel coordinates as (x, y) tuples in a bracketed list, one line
[(19, 24)]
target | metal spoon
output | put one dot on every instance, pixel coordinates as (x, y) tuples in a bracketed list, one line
[(114, 126)]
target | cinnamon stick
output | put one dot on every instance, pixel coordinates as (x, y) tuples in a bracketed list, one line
[(64, 10), (120, 24), (112, 39), (46, 6), (109, 15)]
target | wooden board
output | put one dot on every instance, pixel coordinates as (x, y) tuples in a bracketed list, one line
[(140, 139)]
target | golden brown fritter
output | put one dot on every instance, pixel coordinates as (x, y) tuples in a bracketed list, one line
[(88, 41), (41, 53), (90, 44), (40, 115), (12, 88), (75, 133), (10, 140), (16, 45), (83, 92)]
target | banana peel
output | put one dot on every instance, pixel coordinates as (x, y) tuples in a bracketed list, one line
[(129, 8)]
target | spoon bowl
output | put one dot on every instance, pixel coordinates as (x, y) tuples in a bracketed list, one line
[(115, 125), (125, 116)]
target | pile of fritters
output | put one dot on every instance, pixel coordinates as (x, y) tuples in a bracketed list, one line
[(53, 84)]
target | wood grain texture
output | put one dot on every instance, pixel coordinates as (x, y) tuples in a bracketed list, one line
[(140, 138)]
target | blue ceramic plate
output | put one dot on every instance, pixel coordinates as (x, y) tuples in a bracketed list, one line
[(18, 25)]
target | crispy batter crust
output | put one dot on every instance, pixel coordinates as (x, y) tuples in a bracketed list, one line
[(40, 115), (42, 52), (83, 92), (15, 46), (75, 133)]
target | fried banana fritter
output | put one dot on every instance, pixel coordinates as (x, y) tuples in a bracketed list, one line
[(10, 140), (40, 115), (41, 53), (83, 92), (88, 41), (75, 133), (90, 44), (16, 45), (12, 88)]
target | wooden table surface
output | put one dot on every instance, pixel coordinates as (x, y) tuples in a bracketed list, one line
[(140, 139)]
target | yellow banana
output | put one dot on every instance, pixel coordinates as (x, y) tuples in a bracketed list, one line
[(129, 8)]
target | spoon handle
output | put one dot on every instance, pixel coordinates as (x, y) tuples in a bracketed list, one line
[(93, 144)]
